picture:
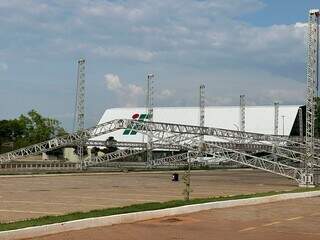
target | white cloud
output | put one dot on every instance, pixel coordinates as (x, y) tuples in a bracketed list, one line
[(166, 93), (112, 10), (125, 53), (184, 41), (113, 81), (3, 66), (128, 94), (135, 90)]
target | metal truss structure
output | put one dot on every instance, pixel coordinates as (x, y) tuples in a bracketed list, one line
[(272, 153), (256, 162), (68, 140), (80, 104), (135, 145), (276, 118), (276, 129), (119, 154), (175, 160), (161, 130), (174, 134), (242, 117), (266, 164), (312, 87), (201, 111), (185, 137), (149, 104), (300, 124), (295, 154), (80, 97)]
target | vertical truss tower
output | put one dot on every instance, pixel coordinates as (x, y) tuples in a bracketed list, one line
[(312, 83), (202, 101), (80, 103), (276, 118), (149, 104), (276, 129), (300, 124), (242, 119)]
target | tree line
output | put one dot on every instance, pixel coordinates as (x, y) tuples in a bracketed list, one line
[(27, 129)]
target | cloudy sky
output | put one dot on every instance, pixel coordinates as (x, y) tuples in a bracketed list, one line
[(252, 47)]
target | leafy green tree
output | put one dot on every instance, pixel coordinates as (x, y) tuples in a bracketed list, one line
[(28, 129)]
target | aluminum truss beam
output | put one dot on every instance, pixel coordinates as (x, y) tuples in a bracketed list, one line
[(201, 111), (120, 154), (162, 129), (177, 132), (80, 97), (131, 145), (124, 153), (242, 117), (174, 160), (276, 118), (312, 85), (283, 152), (80, 104), (262, 163), (256, 162), (294, 153), (247, 159), (150, 104), (300, 124), (70, 139)]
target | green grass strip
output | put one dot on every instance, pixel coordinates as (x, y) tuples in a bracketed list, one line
[(134, 208)]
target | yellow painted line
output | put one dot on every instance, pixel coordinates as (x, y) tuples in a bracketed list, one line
[(294, 218), (270, 224), (247, 229)]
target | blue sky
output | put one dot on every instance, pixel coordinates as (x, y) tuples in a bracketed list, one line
[(235, 47)]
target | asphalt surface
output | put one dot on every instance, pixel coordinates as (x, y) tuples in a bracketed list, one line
[(285, 220), (24, 197)]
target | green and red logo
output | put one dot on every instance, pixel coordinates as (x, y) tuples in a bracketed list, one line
[(139, 117)]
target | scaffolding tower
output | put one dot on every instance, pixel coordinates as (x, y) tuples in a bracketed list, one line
[(301, 124), (242, 119), (202, 111), (150, 105), (312, 85), (276, 118), (80, 104)]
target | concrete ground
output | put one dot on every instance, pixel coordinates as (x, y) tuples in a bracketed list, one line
[(287, 220), (24, 197)]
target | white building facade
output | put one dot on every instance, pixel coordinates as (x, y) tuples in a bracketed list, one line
[(259, 119)]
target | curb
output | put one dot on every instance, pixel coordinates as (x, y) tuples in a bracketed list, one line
[(38, 231)]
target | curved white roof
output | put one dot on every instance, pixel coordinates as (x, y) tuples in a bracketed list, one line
[(259, 119)]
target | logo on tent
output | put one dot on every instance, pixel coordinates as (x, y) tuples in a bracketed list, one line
[(136, 116)]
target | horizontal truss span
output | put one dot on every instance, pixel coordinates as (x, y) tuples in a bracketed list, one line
[(63, 141), (100, 143), (174, 159), (160, 130), (119, 154), (255, 162)]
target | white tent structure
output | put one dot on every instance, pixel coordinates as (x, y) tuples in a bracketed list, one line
[(259, 119)]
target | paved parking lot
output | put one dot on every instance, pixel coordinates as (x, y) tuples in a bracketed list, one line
[(287, 220), (24, 197)]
